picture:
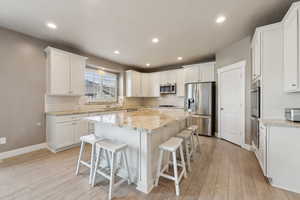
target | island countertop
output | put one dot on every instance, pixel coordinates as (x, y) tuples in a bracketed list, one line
[(146, 119)]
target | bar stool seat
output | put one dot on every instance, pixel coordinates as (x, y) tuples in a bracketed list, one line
[(90, 139), (112, 148), (171, 146)]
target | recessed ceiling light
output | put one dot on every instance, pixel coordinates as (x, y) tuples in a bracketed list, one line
[(51, 25), (179, 58), (117, 52), (148, 64), (221, 19), (155, 40)]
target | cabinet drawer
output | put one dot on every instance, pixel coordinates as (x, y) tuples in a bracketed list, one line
[(69, 118)]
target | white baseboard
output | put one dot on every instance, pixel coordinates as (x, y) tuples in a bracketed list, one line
[(247, 147), (20, 151)]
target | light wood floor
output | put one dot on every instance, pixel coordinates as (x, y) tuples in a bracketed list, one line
[(222, 171)]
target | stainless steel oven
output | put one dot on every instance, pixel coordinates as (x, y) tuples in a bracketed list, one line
[(255, 100), (255, 112)]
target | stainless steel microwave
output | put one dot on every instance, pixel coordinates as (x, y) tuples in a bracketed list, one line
[(168, 88)]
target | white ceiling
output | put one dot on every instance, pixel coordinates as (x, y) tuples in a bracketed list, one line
[(185, 28)]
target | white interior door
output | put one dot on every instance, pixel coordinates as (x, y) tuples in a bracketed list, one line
[(231, 87)]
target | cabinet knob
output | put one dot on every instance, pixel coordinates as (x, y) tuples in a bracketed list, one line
[(293, 84)]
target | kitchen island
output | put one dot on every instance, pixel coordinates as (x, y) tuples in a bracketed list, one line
[(143, 131)]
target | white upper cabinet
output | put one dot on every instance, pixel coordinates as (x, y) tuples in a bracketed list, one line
[(146, 85), (65, 73), (291, 51), (256, 55), (167, 77), (203, 72), (180, 82), (207, 72), (77, 81), (133, 84), (192, 73), (154, 84)]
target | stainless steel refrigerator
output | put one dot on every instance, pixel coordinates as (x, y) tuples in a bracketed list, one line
[(200, 101)]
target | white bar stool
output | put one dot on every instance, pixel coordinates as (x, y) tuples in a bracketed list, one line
[(194, 129), (90, 139), (187, 137), (171, 146), (112, 148)]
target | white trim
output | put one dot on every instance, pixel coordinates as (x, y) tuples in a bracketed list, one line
[(285, 188), (217, 135), (23, 150), (247, 147), (239, 65)]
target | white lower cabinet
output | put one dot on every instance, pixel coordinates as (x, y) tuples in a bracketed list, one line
[(261, 152), (65, 131), (64, 135), (278, 156)]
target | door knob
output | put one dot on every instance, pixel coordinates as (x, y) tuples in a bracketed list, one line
[(222, 108)]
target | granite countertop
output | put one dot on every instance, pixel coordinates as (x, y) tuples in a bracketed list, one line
[(147, 119), (84, 111), (95, 110), (280, 123)]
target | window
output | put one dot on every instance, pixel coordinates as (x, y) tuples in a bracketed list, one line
[(101, 86)]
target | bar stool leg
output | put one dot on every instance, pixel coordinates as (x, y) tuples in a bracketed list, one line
[(159, 167), (187, 153), (182, 161), (107, 157), (92, 164), (99, 153), (198, 141), (192, 146), (175, 173), (80, 156), (124, 156), (112, 175)]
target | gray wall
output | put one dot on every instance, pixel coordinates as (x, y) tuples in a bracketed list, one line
[(239, 51), (23, 85)]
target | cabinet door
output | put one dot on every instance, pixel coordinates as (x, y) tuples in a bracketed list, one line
[(137, 91), (129, 83), (262, 148), (180, 83), (207, 72), (81, 129), (154, 81), (253, 60), (64, 134), (192, 74), (291, 52), (59, 73), (257, 56), (171, 76), (163, 77), (133, 84), (77, 69), (145, 85)]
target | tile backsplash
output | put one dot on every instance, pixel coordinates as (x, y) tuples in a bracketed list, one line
[(63, 103)]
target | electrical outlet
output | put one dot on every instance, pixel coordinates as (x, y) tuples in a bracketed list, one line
[(3, 140)]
